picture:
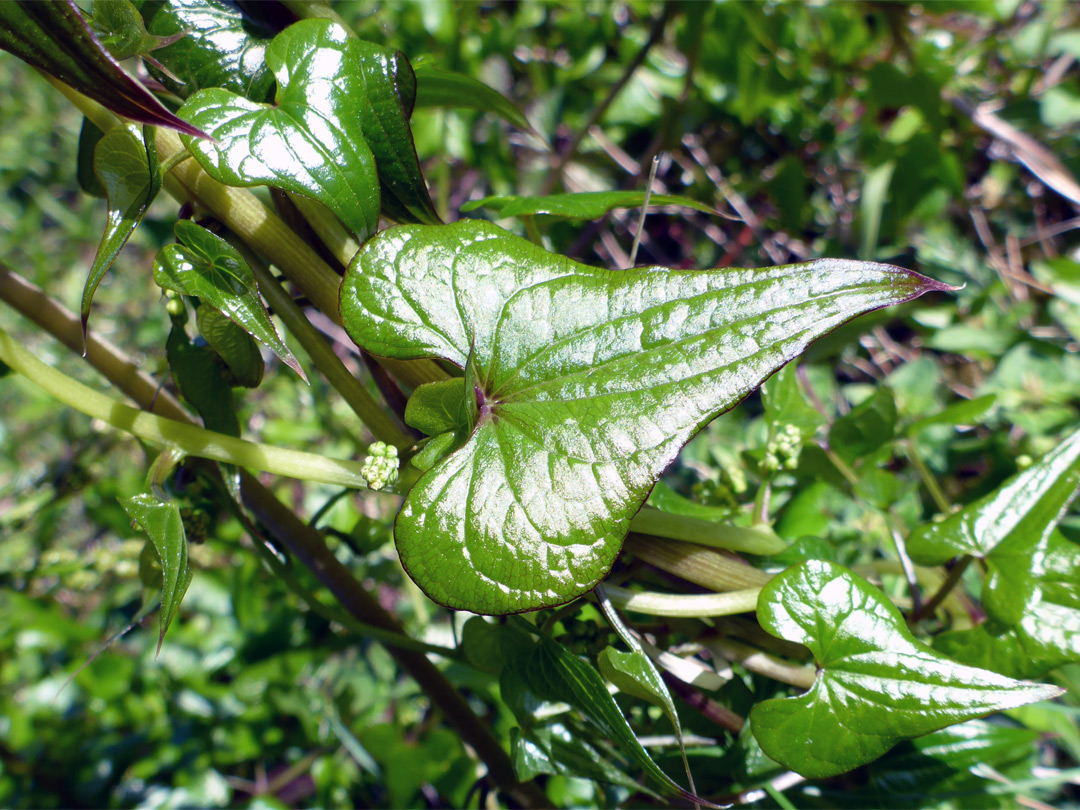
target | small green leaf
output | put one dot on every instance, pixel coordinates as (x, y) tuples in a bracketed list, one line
[(385, 121), (964, 412), (444, 88), (488, 646), (120, 28), (867, 427), (127, 168), (587, 383), (437, 407), (786, 404), (89, 137), (233, 345), (162, 522), (876, 684), (554, 673), (583, 205), (555, 749), (200, 376), (635, 674), (312, 142), (55, 38), (218, 46), (210, 268)]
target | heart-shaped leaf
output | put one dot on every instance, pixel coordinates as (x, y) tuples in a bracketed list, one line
[(162, 523), (210, 268), (876, 684), (127, 168), (444, 88), (216, 46), (583, 384), (583, 205), (1010, 528), (312, 141), (55, 38)]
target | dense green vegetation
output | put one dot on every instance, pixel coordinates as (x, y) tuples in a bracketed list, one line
[(897, 503)]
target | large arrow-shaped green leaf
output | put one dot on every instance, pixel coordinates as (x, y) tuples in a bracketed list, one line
[(876, 684), (583, 385), (312, 142)]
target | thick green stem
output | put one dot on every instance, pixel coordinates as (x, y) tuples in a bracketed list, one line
[(328, 228), (762, 663), (687, 605), (192, 440), (758, 540), (702, 566)]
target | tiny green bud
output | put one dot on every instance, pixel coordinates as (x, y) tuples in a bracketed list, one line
[(380, 468)]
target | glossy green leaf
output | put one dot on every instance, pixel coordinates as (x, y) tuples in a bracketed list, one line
[(127, 168), (444, 88), (635, 674), (162, 523), (385, 122), (584, 382), (554, 673), (866, 427), (1011, 529), (1047, 633), (311, 142), (556, 749), (55, 38), (210, 268), (583, 205), (233, 345), (120, 28), (219, 47), (200, 375), (876, 683)]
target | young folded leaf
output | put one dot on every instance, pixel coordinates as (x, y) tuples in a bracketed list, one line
[(585, 384)]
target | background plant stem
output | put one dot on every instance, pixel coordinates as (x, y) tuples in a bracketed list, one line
[(303, 541)]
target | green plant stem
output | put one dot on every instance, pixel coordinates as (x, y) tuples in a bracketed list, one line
[(314, 9), (928, 479), (757, 540), (930, 605), (379, 421), (711, 569), (304, 542), (192, 440), (686, 605), (328, 228), (762, 663), (841, 465)]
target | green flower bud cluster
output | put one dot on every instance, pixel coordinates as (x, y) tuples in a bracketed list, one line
[(783, 451), (380, 468)]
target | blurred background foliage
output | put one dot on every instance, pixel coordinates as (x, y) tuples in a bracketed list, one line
[(940, 137)]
